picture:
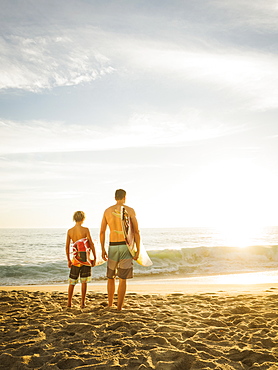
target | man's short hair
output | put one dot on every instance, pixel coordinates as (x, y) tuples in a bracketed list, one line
[(79, 216), (120, 194)]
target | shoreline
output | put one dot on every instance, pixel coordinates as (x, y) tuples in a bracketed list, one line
[(163, 286)]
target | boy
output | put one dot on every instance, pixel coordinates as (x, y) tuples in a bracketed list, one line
[(79, 266)]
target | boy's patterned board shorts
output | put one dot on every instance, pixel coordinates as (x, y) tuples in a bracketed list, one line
[(84, 272)]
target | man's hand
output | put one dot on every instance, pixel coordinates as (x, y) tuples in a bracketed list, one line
[(69, 263), (104, 255), (136, 256)]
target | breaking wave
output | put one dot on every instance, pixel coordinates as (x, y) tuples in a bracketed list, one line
[(186, 262)]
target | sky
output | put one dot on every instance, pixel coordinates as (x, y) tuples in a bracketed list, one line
[(174, 101)]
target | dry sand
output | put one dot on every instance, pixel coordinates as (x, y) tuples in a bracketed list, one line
[(213, 327)]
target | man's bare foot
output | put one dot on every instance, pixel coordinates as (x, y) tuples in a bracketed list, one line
[(110, 308)]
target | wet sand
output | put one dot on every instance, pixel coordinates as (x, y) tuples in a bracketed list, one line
[(162, 326)]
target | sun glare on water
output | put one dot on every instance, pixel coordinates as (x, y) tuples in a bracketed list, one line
[(247, 278), (240, 236)]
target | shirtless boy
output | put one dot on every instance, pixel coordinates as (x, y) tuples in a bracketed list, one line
[(76, 269), (120, 261)]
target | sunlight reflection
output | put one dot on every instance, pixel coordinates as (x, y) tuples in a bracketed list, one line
[(247, 278), (240, 235)]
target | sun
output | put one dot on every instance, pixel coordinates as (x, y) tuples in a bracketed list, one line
[(240, 198)]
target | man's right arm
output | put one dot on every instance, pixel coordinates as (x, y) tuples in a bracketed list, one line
[(102, 237)]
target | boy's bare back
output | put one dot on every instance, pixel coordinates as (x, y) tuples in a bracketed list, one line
[(78, 232)]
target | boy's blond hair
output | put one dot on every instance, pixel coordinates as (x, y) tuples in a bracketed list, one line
[(79, 216)]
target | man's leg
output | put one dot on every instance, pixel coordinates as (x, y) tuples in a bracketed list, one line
[(110, 291), (121, 293), (83, 294), (70, 294)]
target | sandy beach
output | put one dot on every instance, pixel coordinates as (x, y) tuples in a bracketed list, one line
[(204, 327)]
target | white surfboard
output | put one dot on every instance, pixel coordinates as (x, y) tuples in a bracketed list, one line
[(99, 260), (128, 231)]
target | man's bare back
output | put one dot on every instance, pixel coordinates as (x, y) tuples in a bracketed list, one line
[(112, 217)]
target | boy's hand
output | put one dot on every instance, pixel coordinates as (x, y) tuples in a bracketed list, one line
[(93, 263), (69, 263)]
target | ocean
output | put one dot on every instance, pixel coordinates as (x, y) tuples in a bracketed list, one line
[(37, 256)]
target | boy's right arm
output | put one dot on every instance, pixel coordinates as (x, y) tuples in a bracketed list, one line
[(92, 246), (68, 250)]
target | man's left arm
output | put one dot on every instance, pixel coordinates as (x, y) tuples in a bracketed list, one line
[(136, 235)]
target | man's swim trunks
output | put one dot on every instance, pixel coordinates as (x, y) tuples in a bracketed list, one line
[(83, 271), (120, 261)]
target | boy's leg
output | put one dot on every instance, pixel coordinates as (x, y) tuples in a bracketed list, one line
[(110, 291), (85, 277), (83, 294), (70, 294), (121, 293), (73, 277)]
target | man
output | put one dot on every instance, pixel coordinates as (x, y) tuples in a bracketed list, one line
[(120, 261)]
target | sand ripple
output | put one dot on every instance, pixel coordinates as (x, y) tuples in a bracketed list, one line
[(171, 332)]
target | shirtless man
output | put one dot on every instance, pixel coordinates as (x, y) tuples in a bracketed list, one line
[(120, 261), (76, 269)]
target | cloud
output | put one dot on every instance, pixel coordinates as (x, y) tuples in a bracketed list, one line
[(259, 14), (148, 129), (36, 58), (45, 62), (155, 128), (39, 63), (250, 74)]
